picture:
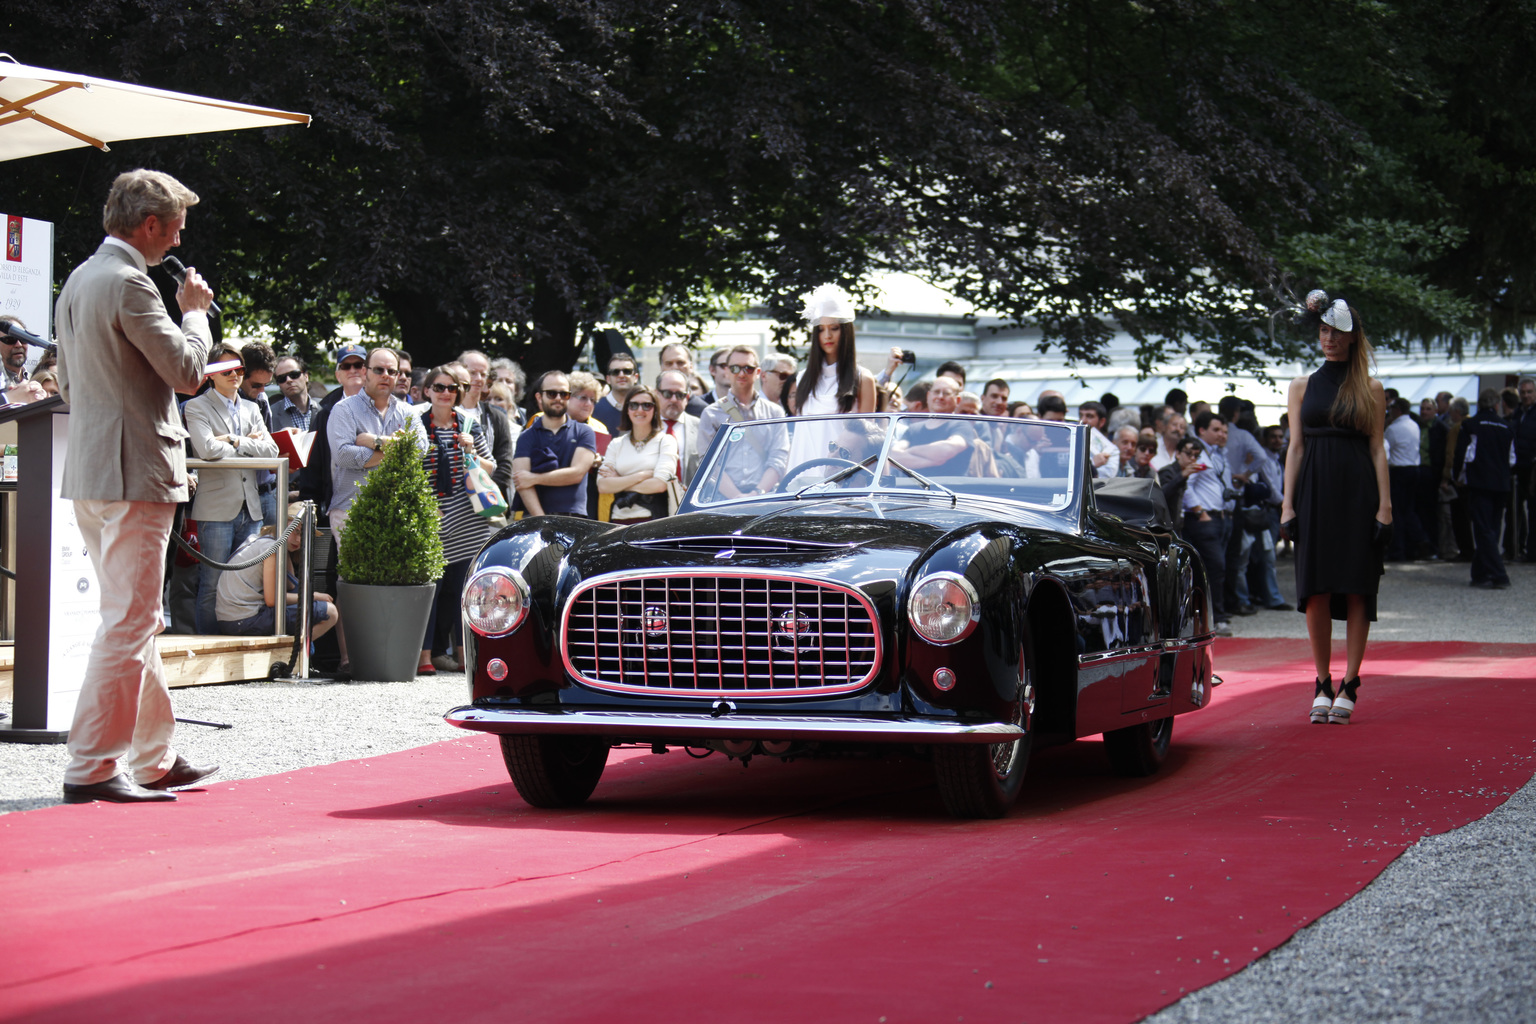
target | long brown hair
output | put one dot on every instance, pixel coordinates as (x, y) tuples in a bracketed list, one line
[(847, 370), (1354, 405)]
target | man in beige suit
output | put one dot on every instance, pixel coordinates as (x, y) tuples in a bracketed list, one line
[(121, 360)]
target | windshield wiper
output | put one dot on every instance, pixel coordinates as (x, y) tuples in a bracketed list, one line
[(927, 484), (841, 475)]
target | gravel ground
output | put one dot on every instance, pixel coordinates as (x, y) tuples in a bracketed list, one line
[(1444, 934)]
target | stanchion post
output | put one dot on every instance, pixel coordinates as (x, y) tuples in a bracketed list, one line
[(306, 589)]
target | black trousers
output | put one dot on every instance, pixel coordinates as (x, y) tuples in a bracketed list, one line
[(1210, 540), (1408, 532), (1486, 509)]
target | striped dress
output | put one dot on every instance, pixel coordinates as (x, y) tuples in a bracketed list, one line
[(463, 531)]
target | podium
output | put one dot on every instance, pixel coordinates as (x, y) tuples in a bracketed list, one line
[(57, 605)]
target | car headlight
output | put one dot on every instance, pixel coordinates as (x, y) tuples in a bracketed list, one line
[(943, 607), (495, 601)]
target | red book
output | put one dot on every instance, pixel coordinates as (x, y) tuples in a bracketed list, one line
[(295, 446)]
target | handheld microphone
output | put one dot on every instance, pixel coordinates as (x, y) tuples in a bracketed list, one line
[(179, 272), (16, 331)]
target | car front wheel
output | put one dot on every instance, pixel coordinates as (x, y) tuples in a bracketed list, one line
[(554, 771), (1139, 750)]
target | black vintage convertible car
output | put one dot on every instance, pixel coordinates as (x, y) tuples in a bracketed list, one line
[(961, 588)]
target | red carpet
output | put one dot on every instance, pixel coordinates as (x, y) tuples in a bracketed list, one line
[(417, 886)]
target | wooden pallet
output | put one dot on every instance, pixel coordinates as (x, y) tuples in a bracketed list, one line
[(195, 660)]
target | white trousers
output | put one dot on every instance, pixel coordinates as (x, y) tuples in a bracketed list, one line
[(123, 720)]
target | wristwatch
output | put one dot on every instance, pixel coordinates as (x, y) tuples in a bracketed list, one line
[(378, 445)]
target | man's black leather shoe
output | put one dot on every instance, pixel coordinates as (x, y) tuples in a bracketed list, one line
[(182, 774), (119, 789)]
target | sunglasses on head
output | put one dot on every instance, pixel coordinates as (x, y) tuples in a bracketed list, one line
[(284, 378)]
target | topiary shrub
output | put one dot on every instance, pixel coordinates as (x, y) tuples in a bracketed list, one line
[(391, 538)]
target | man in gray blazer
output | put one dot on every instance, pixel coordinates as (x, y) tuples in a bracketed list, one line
[(672, 385), (228, 504), (121, 362)]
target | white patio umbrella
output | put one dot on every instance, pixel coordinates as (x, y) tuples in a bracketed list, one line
[(43, 111)]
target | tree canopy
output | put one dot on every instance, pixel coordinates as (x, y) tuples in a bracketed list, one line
[(505, 173)]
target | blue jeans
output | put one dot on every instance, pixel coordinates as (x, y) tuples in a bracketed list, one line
[(216, 540)]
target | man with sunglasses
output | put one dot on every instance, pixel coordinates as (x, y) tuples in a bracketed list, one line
[(553, 456), (315, 477), (293, 409), (748, 469), (621, 379), (779, 372), (677, 357), (357, 429), (672, 386), (498, 427), (13, 367)]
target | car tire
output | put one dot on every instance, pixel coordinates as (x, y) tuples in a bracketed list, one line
[(554, 771), (1139, 750), (970, 782)]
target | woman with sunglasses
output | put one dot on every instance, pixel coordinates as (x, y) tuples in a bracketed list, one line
[(833, 380), (455, 442), (640, 466), (227, 506)]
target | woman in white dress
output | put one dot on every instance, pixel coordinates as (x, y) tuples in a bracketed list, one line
[(833, 380)]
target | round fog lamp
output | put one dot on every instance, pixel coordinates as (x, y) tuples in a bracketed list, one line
[(496, 669), (943, 608), (944, 678), (495, 601)]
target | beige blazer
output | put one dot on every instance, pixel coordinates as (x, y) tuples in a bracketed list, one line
[(220, 492), (121, 362)]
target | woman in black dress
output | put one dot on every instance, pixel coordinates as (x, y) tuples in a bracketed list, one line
[(1337, 506)]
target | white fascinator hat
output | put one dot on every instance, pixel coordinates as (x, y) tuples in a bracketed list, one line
[(829, 302), (1334, 312)]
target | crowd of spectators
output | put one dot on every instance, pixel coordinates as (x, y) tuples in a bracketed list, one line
[(611, 445)]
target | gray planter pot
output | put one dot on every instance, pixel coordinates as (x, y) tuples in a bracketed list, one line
[(384, 627)]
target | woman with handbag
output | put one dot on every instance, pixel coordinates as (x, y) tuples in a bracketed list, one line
[(457, 447), (640, 467)]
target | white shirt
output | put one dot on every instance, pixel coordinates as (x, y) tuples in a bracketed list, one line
[(1097, 443), (1402, 442)]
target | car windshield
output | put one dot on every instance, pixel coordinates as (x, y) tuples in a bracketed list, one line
[(1031, 461)]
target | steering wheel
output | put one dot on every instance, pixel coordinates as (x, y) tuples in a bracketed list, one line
[(783, 484)]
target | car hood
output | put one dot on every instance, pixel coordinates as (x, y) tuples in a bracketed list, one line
[(869, 536)]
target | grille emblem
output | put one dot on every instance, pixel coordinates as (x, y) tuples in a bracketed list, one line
[(794, 631)]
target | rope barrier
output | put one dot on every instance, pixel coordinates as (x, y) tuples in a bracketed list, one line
[(277, 543)]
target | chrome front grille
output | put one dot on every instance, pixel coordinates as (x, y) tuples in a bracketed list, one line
[(726, 634)]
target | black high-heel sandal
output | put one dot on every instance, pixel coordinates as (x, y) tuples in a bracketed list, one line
[(1345, 702), (1322, 701)]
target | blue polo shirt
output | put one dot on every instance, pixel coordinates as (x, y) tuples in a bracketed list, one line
[(546, 451)]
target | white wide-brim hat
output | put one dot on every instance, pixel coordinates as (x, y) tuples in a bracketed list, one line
[(829, 302)]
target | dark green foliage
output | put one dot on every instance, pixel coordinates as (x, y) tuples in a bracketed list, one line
[(392, 536), (507, 173)]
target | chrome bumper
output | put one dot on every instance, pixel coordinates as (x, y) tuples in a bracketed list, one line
[(649, 725)]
